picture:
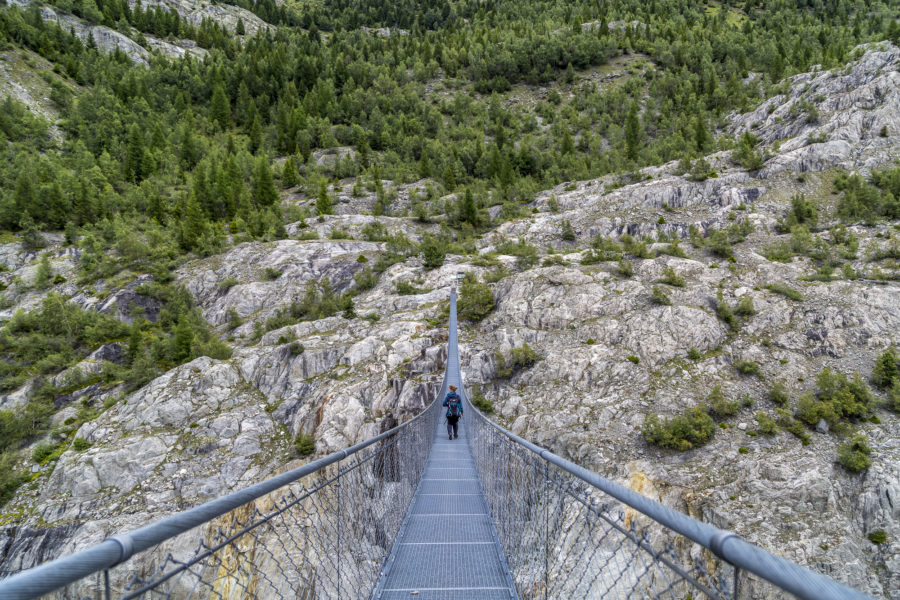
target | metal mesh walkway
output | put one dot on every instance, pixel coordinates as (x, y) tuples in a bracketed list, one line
[(447, 548)]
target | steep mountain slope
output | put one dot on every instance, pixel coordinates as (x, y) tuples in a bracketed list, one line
[(609, 353)]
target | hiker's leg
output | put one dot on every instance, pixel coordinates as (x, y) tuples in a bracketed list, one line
[(449, 426)]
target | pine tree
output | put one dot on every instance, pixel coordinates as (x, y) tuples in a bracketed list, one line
[(255, 133), (701, 136), (323, 202), (220, 107), (885, 369), (289, 173), (468, 212), (239, 28), (632, 132), (133, 167), (262, 185)]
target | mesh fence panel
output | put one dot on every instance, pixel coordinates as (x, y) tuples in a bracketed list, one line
[(326, 535), (565, 539)]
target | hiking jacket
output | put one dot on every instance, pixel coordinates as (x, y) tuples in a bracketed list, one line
[(453, 398)]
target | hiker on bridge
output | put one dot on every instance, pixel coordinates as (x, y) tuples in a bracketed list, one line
[(454, 412)]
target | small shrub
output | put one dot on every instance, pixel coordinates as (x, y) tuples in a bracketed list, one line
[(434, 250), (792, 425), (476, 300), (745, 307), (405, 288), (877, 537), (854, 455), (296, 348), (81, 444), (784, 290), (671, 278), (339, 234), (480, 402), (694, 354), (590, 342), (635, 359), (567, 233), (228, 283), (657, 296), (885, 369), (365, 279), (743, 450), (778, 394), (520, 358), (723, 311), (765, 424), (42, 451), (625, 268), (719, 406), (271, 273), (305, 444), (747, 367), (691, 429)]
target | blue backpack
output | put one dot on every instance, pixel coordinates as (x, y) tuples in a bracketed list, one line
[(454, 406)]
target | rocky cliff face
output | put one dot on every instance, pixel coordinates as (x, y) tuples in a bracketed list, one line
[(609, 355)]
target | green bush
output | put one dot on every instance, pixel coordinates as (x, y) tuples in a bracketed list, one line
[(723, 311), (526, 254), (885, 370), (765, 424), (520, 358), (747, 367), (480, 402), (854, 454), (657, 296), (694, 354), (691, 429), (271, 273), (81, 444), (42, 451), (719, 406), (476, 300), (784, 290), (671, 278), (434, 250), (625, 268), (877, 537), (305, 444), (635, 359), (894, 395), (405, 288), (228, 283), (745, 307), (778, 394), (365, 279), (792, 425), (567, 233)]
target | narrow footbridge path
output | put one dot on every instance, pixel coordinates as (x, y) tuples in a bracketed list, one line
[(447, 548), (411, 514)]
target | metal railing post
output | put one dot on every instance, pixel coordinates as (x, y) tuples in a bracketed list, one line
[(340, 522)]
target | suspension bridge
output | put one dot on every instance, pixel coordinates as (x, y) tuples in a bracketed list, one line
[(412, 514)]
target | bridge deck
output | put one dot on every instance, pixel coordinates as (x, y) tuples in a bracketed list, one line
[(447, 548)]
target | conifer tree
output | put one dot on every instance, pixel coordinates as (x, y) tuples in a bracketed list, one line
[(220, 107), (289, 173), (262, 184), (323, 201), (632, 132)]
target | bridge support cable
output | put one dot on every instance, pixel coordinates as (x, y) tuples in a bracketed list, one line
[(323, 530), (567, 532)]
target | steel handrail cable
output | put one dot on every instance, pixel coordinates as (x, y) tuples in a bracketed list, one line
[(62, 571), (727, 545)]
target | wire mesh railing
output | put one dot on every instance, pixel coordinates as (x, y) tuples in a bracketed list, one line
[(321, 531), (569, 533)]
